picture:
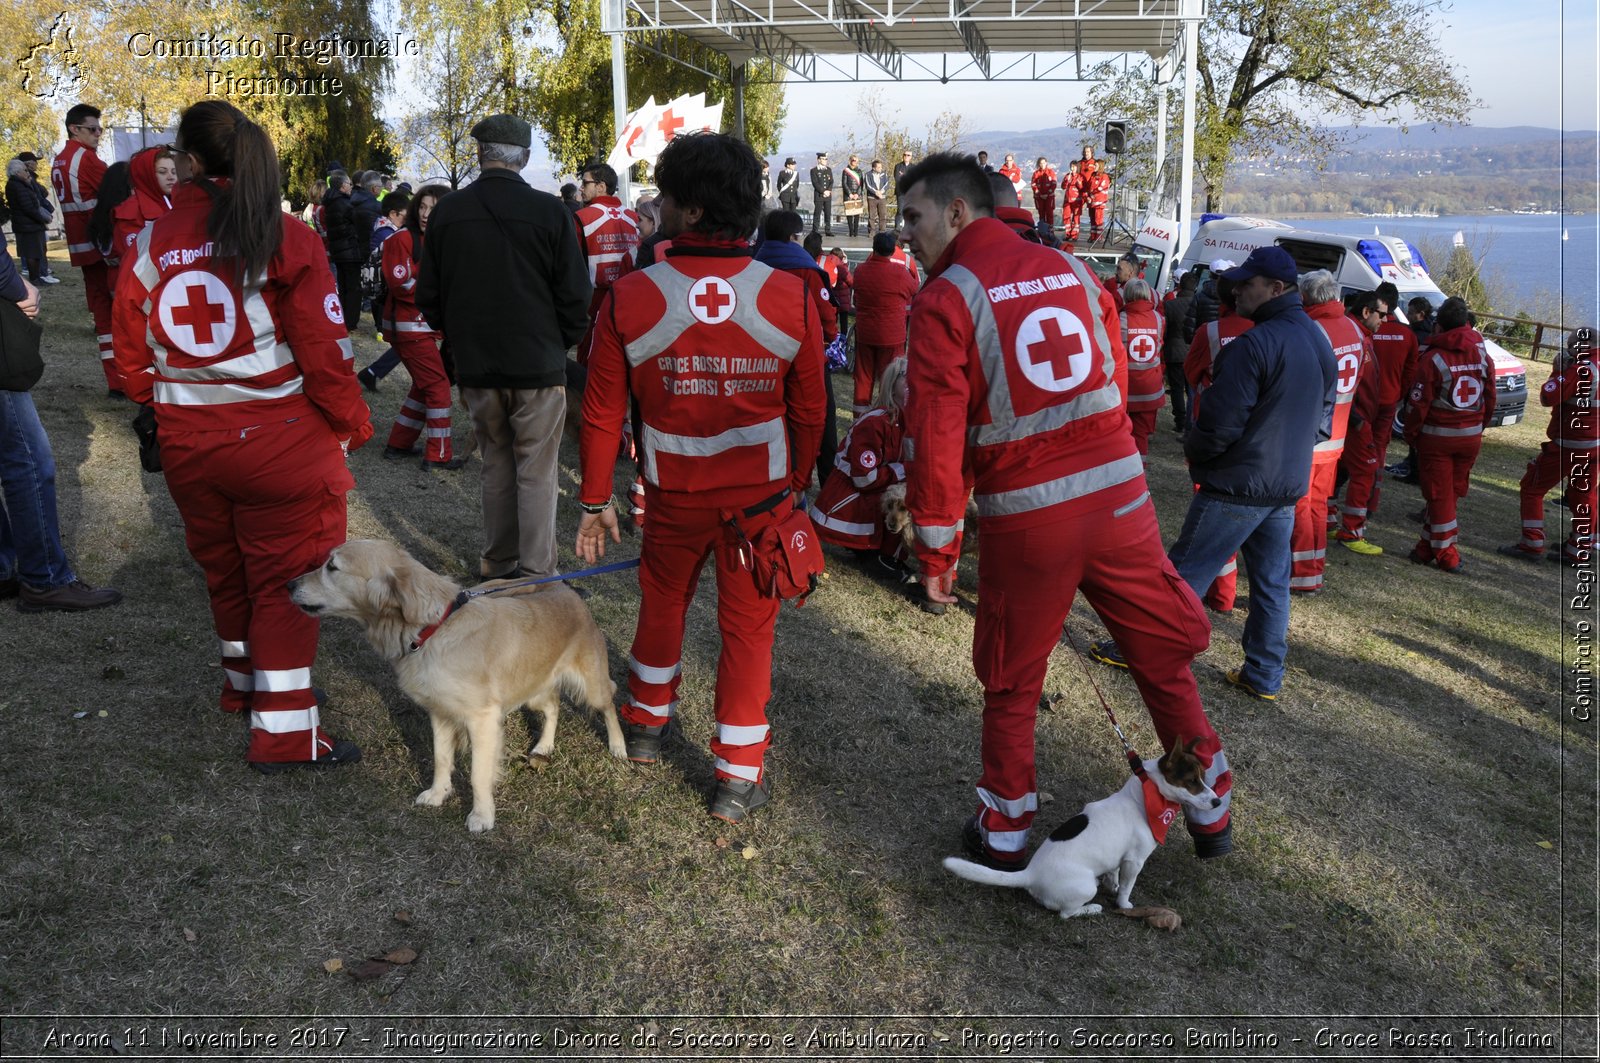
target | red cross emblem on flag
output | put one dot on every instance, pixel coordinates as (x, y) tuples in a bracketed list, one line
[(1053, 349), (669, 124), (711, 300), (196, 312), (1466, 393)]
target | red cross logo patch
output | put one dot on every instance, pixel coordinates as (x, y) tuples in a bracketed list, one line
[(1349, 371), (1142, 349), (711, 300), (1466, 393), (868, 459), (197, 313), (1053, 349)]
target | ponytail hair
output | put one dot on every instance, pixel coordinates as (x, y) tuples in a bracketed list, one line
[(246, 221)]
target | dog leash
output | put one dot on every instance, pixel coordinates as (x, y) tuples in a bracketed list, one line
[(465, 597), (1134, 762)]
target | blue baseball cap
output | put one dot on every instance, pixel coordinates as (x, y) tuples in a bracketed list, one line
[(1274, 263)]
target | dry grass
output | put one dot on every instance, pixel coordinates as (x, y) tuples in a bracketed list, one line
[(1389, 805)]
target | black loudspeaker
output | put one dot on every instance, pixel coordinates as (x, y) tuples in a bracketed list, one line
[(1116, 138)]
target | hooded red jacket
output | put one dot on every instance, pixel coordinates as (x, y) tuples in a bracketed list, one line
[(1454, 391), (884, 291), (145, 205), (1352, 352)]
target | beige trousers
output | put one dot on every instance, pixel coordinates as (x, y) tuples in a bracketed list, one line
[(519, 432)]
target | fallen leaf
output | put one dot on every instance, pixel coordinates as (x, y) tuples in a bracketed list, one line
[(102, 712), (750, 852), (333, 966), (1544, 845), (404, 917), (367, 970), (188, 935), (401, 956), (720, 842), (79, 715), (167, 839)]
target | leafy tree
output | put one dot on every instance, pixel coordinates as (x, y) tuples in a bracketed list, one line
[(1274, 74), (570, 93)]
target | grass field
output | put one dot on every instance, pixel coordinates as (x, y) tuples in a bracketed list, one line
[(1415, 817)]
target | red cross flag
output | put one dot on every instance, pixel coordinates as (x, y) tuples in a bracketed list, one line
[(651, 127)]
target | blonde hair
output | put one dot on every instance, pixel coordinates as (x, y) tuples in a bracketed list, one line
[(888, 382)]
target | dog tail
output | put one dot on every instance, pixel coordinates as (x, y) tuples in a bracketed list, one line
[(986, 875)]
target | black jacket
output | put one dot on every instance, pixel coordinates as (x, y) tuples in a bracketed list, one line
[(1270, 402), (1205, 309), (30, 207), (503, 278), (821, 181), (345, 243), (367, 213), (1176, 310), (788, 188)]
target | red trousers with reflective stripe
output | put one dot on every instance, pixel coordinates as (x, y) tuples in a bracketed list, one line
[(677, 542), (1097, 221), (1308, 542), (97, 293), (1045, 207), (1549, 467), (428, 402), (1027, 580), (1071, 219), (1360, 463), (260, 507), (870, 363), (1444, 467)]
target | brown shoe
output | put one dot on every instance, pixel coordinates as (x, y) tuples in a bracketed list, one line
[(73, 597)]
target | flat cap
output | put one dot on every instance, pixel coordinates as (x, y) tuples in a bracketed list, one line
[(504, 129), (27, 156)]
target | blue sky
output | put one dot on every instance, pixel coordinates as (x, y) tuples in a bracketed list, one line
[(1527, 63)]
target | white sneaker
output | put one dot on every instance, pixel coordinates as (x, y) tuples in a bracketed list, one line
[(51, 279)]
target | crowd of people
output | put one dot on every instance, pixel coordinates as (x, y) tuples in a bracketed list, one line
[(696, 325)]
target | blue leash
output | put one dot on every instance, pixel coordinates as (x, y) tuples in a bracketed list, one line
[(615, 566)]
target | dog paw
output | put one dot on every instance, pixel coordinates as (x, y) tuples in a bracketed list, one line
[(478, 823), (1088, 909), (433, 797), (618, 750), (542, 751)]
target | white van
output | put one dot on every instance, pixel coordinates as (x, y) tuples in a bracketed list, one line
[(1360, 263)]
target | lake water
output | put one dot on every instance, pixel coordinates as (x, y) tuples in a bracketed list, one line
[(1523, 253)]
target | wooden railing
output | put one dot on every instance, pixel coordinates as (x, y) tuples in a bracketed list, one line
[(1547, 341)]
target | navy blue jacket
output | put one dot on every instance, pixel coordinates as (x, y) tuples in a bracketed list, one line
[(1270, 402)]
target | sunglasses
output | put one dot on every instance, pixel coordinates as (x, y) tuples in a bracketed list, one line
[(88, 128)]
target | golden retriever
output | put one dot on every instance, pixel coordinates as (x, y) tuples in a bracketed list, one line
[(490, 656), (897, 521)]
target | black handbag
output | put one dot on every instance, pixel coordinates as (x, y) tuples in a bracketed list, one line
[(20, 363)]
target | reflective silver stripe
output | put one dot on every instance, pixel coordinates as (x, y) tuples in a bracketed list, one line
[(80, 247), (1352, 511), (439, 433), (936, 536), (443, 411), (1214, 343), (1005, 425), (674, 288), (735, 735), (409, 422), (284, 721), (1533, 524), (72, 183), (283, 679), (1329, 445), (898, 469), (1575, 444), (242, 681), (1131, 506), (1444, 527), (410, 326), (1150, 397), (176, 394), (79, 208), (769, 434), (651, 674), (244, 367), (843, 527), (1440, 544), (669, 710), (1010, 807), (1231, 567), (1053, 492), (233, 649), (144, 267), (1439, 430), (1302, 582), (1006, 841), (908, 450), (346, 349), (739, 771), (1308, 555)]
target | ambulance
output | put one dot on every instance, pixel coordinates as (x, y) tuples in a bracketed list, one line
[(1360, 263)]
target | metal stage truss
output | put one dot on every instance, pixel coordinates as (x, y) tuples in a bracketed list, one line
[(896, 41)]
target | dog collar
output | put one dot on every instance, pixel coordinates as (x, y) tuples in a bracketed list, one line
[(1159, 810), (427, 633)]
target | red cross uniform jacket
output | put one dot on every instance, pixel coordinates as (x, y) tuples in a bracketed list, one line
[(1352, 351), (724, 356), (212, 354), (1395, 347), (76, 174), (1013, 173), (1454, 392), (883, 302), (1099, 188), (1570, 394), (902, 256), (400, 313), (1207, 345), (1044, 183), (1022, 345), (609, 233), (146, 204), (849, 508), (1072, 188), (1143, 332)]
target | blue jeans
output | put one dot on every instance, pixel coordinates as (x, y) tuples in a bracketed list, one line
[(30, 538), (1213, 531)]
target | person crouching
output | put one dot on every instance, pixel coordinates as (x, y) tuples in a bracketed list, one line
[(849, 510)]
